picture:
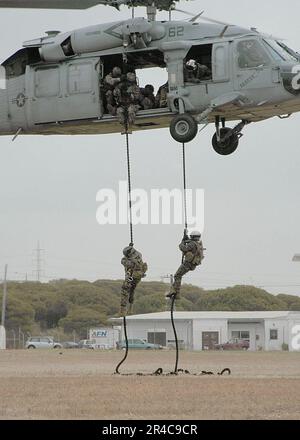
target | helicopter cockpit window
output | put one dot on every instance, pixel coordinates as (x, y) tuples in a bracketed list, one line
[(251, 54), (279, 51)]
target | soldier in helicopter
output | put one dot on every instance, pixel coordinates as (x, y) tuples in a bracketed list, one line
[(127, 96), (111, 81), (195, 72)]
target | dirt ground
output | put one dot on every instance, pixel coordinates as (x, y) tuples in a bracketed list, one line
[(79, 384)]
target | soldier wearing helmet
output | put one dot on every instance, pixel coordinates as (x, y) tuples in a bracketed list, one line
[(195, 72), (161, 99), (127, 96), (135, 270), (147, 97), (192, 250), (110, 82)]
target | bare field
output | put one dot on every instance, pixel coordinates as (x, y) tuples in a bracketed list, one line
[(79, 384)]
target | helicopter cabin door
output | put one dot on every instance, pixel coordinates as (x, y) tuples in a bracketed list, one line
[(253, 67), (66, 92), (82, 90), (45, 94)]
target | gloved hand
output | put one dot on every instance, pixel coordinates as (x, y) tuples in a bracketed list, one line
[(185, 235)]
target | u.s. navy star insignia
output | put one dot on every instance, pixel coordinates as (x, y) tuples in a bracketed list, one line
[(20, 100)]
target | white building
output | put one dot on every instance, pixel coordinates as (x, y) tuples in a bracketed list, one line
[(201, 330)]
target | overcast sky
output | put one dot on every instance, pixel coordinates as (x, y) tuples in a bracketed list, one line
[(48, 185)]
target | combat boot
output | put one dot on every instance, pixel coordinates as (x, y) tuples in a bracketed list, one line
[(173, 294), (123, 311), (130, 309)]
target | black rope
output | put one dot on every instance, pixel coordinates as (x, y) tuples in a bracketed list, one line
[(128, 176), (130, 226), (175, 333), (126, 350), (184, 185), (159, 372), (173, 298)]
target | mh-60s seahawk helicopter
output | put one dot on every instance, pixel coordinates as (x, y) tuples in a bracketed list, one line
[(54, 84)]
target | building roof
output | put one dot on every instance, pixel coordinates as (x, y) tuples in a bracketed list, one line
[(161, 316)]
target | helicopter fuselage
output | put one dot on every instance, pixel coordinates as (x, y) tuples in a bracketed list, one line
[(54, 84)]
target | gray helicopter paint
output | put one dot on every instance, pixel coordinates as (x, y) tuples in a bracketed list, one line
[(64, 92), (44, 95), (5, 125)]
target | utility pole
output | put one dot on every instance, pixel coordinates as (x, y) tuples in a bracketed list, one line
[(38, 260), (2, 326), (4, 296)]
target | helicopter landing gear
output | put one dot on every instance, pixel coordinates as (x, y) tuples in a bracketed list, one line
[(183, 128), (226, 140)]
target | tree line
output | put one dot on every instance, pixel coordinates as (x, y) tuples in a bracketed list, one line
[(68, 306)]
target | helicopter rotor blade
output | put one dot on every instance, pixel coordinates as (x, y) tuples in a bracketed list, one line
[(213, 20), (202, 17), (194, 17)]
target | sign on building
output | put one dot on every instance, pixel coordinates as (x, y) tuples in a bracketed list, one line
[(105, 337)]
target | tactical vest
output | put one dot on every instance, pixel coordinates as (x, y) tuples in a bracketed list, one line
[(139, 268), (196, 256)]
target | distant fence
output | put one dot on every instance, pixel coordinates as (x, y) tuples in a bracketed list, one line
[(15, 339)]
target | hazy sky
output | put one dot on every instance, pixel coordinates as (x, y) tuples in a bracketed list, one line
[(48, 185)]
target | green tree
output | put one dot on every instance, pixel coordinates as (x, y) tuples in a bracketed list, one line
[(80, 319), (19, 314)]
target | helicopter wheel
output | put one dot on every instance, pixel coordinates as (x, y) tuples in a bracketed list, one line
[(226, 146), (183, 128)]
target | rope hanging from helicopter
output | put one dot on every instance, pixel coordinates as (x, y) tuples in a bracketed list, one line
[(130, 227), (173, 298), (159, 371)]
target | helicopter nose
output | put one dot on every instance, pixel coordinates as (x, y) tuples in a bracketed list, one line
[(291, 78)]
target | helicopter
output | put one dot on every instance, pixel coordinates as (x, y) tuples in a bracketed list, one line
[(54, 84)]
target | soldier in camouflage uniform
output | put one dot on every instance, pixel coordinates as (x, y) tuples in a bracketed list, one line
[(111, 81), (127, 95), (192, 249), (161, 99), (135, 270), (147, 97)]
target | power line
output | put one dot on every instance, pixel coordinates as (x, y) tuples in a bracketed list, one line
[(38, 261)]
